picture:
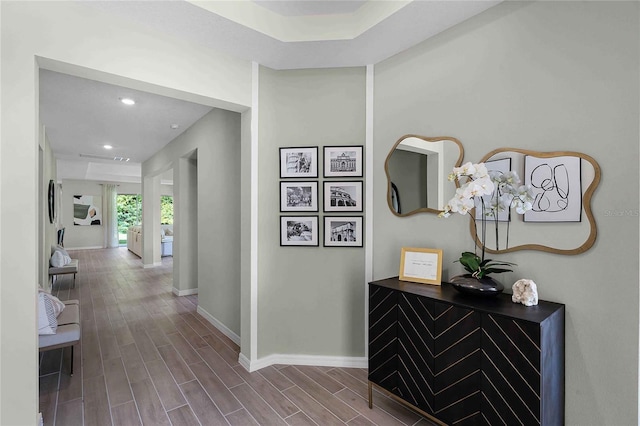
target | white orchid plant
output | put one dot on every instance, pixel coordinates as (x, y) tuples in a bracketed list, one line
[(504, 192)]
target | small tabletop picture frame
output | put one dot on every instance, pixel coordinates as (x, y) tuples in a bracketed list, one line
[(421, 265)]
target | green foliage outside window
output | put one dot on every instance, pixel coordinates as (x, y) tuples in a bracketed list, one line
[(166, 210), (129, 207)]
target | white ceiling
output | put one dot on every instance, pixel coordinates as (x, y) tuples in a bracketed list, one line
[(82, 115)]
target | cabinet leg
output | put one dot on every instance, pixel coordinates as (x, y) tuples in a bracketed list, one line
[(370, 396)]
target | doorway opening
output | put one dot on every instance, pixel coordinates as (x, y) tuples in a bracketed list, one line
[(129, 208)]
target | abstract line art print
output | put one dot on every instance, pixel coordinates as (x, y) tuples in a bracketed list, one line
[(557, 187)]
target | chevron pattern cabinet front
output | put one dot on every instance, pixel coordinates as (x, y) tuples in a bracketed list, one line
[(463, 360)]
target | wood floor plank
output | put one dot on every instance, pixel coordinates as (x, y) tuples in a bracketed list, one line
[(276, 378), (256, 406), (189, 334), (241, 418), (96, 403), (227, 374), (300, 419), (361, 421), (117, 383), (320, 394), (268, 392), (320, 377), (204, 409), (48, 394), (228, 354), (218, 392), (167, 389), (122, 332), (126, 414), (375, 414), (91, 357), (109, 347), (183, 416), (149, 406), (145, 345), (71, 386), (355, 385), (197, 326), (133, 364), (176, 364), (70, 413), (184, 348), (158, 337), (311, 407)]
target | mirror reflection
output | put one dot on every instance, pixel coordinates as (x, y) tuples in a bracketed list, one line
[(560, 220), (417, 168)]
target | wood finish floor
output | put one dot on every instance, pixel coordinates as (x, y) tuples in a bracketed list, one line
[(147, 357)]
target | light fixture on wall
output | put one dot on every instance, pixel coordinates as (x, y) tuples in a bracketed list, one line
[(127, 101)]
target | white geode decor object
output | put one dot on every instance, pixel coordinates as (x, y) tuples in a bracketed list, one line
[(525, 292)]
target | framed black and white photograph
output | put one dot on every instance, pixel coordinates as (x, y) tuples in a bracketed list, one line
[(342, 161), (557, 187), (500, 166), (344, 231), (299, 196), (299, 230), (301, 162), (343, 196)]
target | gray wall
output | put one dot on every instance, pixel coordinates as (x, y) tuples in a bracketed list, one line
[(545, 76), (48, 232), (216, 137), (310, 299)]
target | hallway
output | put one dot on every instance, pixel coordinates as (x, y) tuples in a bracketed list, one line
[(146, 357)]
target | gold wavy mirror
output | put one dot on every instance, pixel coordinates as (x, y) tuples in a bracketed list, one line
[(417, 168), (561, 220)]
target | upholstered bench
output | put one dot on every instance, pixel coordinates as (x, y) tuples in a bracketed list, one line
[(69, 268), (67, 333)]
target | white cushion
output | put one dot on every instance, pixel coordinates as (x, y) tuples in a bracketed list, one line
[(59, 258)]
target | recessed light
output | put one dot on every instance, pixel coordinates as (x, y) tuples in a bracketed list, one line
[(107, 146), (127, 101), (175, 126)]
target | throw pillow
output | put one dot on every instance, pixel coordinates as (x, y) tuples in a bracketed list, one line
[(47, 320), (57, 259)]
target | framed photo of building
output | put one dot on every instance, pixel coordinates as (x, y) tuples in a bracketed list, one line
[(343, 161), (343, 231), (343, 196), (300, 162), (299, 196), (299, 230)]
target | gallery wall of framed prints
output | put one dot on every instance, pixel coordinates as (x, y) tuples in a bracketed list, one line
[(340, 196)]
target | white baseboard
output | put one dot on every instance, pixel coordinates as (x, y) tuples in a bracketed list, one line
[(84, 248), (220, 326), (151, 265), (314, 360), (187, 292)]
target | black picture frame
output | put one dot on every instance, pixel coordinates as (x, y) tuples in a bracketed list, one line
[(299, 162), (299, 231), (343, 231), (343, 161), (305, 193), (52, 201), (343, 196)]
